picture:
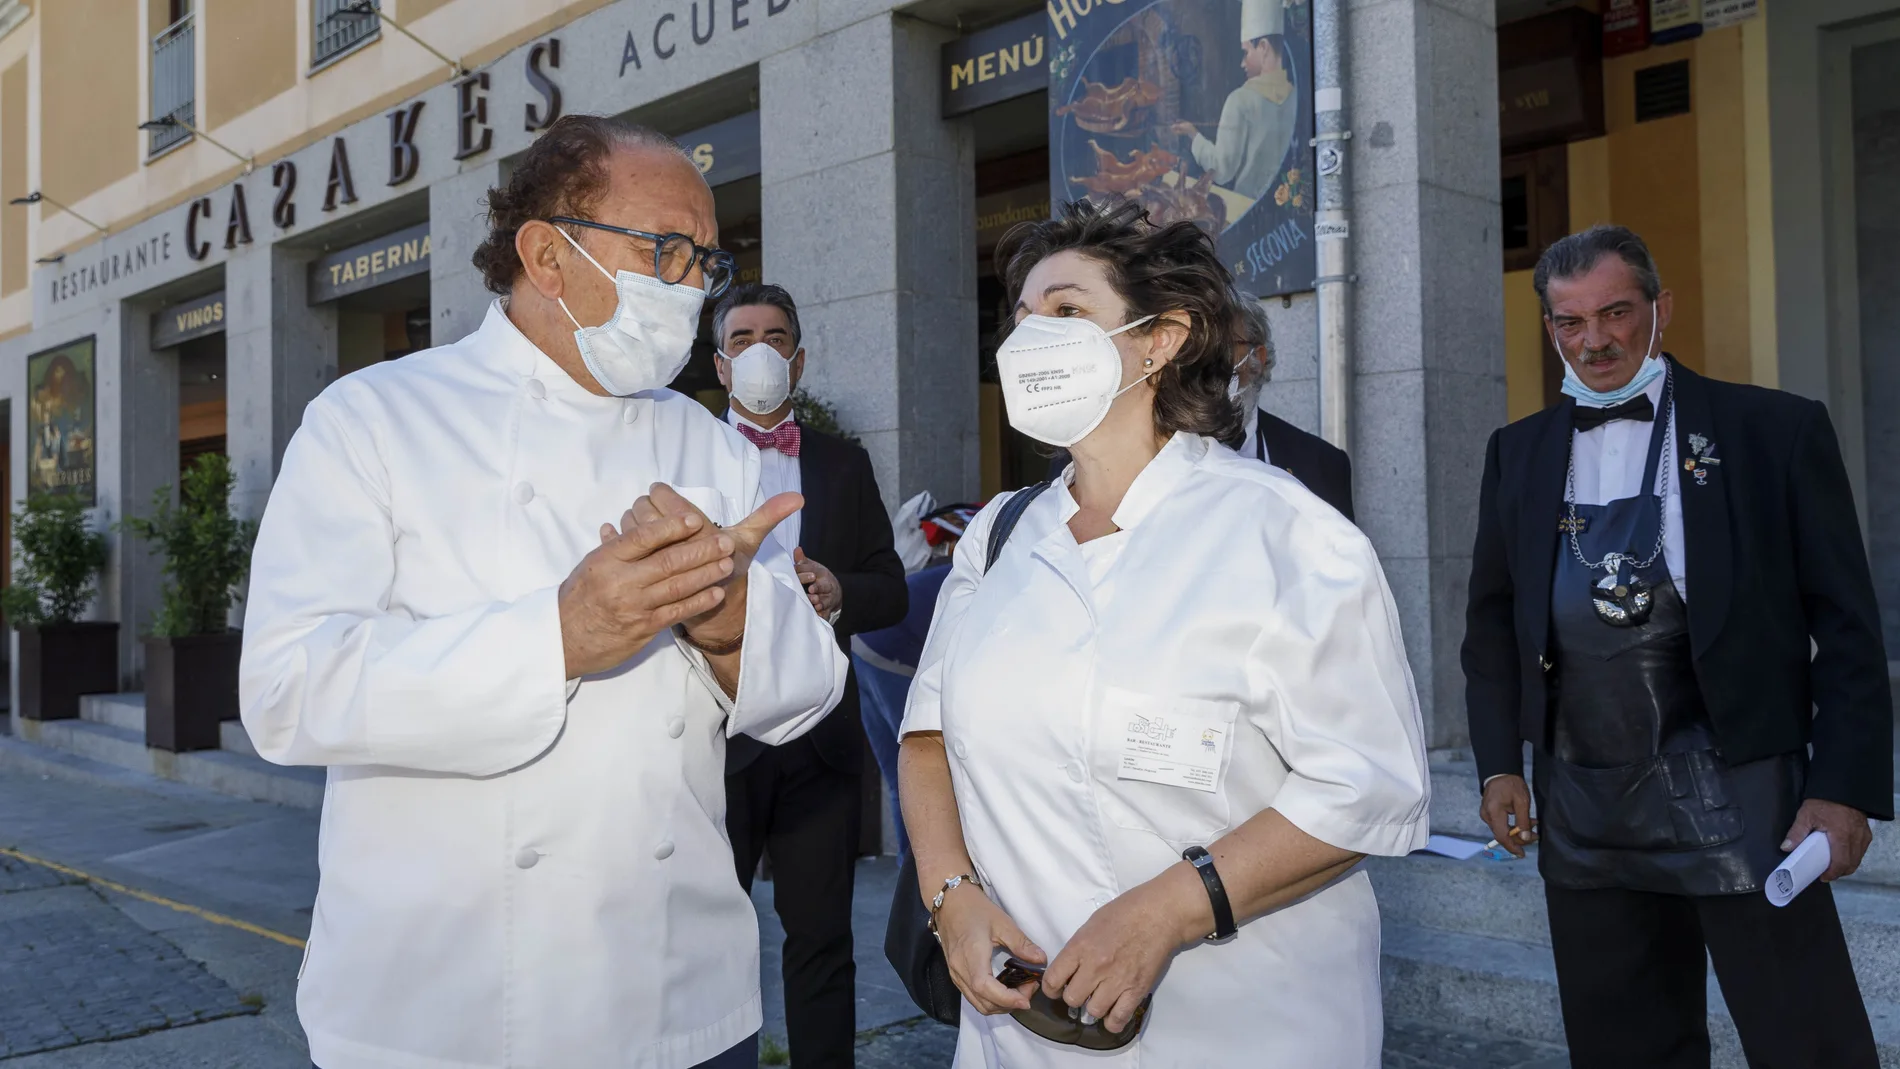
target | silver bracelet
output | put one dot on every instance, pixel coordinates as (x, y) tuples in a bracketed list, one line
[(949, 885)]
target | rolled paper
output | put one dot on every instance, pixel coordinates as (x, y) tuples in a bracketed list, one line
[(1801, 867)]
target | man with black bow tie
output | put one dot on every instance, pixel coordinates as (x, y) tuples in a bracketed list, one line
[(1657, 556), (801, 802)]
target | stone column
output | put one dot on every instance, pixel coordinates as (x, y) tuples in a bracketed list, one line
[(458, 222), (1428, 314), (280, 352), (869, 203), (137, 450)]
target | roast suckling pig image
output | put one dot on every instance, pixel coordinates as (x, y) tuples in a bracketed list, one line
[(1111, 109)]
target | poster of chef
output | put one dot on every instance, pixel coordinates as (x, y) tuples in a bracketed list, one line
[(60, 421), (1198, 109)]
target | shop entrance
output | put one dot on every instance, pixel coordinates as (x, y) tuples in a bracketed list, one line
[(1012, 187), (381, 290), (191, 331)]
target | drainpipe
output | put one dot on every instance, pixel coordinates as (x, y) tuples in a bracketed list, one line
[(1332, 228)]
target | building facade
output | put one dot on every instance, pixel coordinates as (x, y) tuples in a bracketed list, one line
[(227, 204)]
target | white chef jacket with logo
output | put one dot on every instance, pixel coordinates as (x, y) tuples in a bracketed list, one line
[(1236, 603), (516, 870)]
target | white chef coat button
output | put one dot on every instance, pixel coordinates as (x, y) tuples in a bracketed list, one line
[(629, 413), (524, 493), (1075, 771), (537, 389), (663, 851), (527, 858), (675, 728), (1100, 901), (962, 750)]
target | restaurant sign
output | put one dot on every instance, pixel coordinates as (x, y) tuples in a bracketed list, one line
[(373, 263), (997, 64), (197, 318)]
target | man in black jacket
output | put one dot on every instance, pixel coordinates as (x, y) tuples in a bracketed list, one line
[(1322, 466), (1670, 602), (1319, 465), (801, 802)]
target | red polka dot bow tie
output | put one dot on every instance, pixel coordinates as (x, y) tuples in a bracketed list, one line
[(785, 437)]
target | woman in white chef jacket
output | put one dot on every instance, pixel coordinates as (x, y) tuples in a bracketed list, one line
[(1179, 648)]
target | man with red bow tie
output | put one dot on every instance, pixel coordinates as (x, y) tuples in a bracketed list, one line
[(803, 803)]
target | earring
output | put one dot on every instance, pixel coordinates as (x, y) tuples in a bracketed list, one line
[(1150, 362)]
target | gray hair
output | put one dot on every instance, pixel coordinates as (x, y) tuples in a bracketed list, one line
[(747, 294), (1254, 329), (1578, 254)]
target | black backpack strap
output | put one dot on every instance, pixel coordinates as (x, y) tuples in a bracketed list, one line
[(1006, 518)]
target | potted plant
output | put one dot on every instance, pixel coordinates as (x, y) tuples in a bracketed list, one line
[(58, 559), (191, 654)]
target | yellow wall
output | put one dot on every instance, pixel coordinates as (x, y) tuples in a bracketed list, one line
[(89, 96), (250, 55), (1523, 346), (13, 266), (1722, 148), (410, 10)]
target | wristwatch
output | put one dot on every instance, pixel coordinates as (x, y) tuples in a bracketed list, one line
[(1203, 863)]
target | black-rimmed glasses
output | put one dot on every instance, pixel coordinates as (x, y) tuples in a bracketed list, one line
[(675, 256)]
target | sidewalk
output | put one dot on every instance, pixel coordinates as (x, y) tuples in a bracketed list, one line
[(93, 977)]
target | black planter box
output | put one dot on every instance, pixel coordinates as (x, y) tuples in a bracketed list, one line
[(190, 688), (59, 662)]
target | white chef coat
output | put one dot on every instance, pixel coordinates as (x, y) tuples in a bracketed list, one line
[(517, 870), (1231, 597), (778, 474), (1609, 459)]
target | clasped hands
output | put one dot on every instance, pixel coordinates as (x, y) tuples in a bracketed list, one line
[(1105, 969), (666, 564)]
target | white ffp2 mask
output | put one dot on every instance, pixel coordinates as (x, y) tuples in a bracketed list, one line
[(1060, 376), (761, 379), (648, 340)]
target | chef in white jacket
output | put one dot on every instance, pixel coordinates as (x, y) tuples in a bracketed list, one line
[(514, 594), (1175, 708)]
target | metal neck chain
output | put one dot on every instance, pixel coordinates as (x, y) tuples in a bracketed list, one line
[(1611, 560)]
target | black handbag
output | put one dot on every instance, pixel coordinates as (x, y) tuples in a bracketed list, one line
[(909, 944)]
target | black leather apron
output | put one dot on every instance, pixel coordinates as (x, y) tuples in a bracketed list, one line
[(1634, 793)]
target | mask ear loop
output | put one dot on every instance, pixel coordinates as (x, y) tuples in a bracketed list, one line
[(591, 260), (1145, 376)]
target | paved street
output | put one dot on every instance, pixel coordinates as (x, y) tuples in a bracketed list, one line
[(94, 974)]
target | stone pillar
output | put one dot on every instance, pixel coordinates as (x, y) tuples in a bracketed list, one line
[(1428, 315), (280, 352), (458, 222), (869, 206), (137, 450)]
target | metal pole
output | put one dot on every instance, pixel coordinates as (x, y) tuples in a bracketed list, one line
[(1333, 227)]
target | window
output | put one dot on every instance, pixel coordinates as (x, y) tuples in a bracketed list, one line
[(174, 81), (341, 25)]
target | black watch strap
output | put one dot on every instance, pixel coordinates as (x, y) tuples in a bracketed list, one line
[(1203, 863)]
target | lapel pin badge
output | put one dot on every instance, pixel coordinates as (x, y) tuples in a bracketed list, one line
[(1703, 460)]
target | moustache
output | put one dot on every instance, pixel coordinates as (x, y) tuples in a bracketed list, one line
[(1612, 350)]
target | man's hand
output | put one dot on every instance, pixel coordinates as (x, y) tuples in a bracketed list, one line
[(1507, 812), (1848, 835), (637, 584), (724, 621), (820, 585), (1183, 129)]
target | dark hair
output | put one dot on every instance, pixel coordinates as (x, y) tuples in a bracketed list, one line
[(1579, 253), (563, 173), (1154, 269), (747, 294)]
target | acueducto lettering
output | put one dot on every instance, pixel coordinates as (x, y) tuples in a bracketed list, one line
[(665, 38)]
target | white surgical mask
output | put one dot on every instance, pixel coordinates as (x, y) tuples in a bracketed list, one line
[(761, 378), (1646, 374), (650, 336), (1060, 376)]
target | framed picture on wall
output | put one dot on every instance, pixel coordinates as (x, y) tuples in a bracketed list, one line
[(61, 422)]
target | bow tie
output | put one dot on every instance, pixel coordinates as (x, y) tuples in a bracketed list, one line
[(1585, 417), (785, 437)]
